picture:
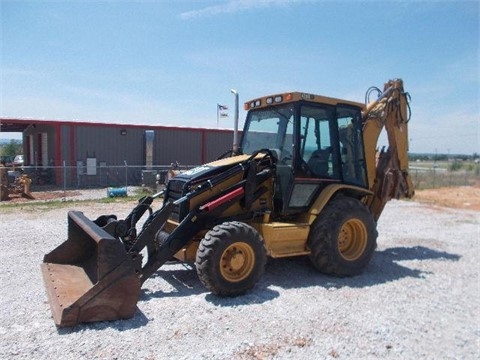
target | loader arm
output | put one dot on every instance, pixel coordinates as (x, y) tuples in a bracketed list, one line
[(387, 171), (97, 273)]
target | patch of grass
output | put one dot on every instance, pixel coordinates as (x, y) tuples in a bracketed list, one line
[(122, 199), (466, 175), (59, 203)]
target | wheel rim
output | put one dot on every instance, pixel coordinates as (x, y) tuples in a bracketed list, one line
[(237, 262), (352, 239)]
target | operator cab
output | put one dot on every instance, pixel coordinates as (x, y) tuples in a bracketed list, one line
[(316, 141)]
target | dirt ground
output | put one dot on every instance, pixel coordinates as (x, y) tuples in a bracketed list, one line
[(43, 196), (462, 197)]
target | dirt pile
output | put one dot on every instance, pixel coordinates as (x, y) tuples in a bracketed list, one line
[(463, 197)]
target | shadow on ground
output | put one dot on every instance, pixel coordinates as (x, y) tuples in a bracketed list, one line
[(298, 272), (386, 266)]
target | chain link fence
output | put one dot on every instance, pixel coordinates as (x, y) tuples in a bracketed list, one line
[(437, 178), (82, 177)]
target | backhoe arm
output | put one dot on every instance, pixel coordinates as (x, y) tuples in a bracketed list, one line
[(387, 170)]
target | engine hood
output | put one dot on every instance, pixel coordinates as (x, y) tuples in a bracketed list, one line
[(206, 171)]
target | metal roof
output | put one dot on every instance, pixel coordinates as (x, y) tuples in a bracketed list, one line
[(19, 125), (13, 125)]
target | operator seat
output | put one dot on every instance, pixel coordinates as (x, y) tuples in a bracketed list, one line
[(318, 162)]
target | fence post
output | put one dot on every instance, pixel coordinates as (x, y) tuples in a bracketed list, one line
[(126, 176), (64, 181)]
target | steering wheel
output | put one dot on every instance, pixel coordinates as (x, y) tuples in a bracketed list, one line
[(268, 153)]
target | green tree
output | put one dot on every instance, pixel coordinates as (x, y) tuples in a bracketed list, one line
[(14, 147), (455, 165)]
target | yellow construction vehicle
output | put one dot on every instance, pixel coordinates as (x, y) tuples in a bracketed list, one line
[(20, 186), (305, 180)]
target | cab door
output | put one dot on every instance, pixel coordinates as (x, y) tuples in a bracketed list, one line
[(316, 159), (329, 150)]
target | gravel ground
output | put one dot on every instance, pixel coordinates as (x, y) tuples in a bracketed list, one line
[(418, 299)]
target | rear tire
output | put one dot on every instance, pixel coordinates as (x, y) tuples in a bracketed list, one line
[(343, 238), (231, 259)]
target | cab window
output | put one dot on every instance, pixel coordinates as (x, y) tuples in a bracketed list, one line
[(316, 150), (270, 129), (351, 146)]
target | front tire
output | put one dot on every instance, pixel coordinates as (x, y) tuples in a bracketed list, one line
[(231, 259), (343, 238)]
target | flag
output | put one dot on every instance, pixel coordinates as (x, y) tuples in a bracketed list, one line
[(221, 111)]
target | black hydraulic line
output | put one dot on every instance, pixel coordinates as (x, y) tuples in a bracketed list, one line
[(155, 222), (369, 91)]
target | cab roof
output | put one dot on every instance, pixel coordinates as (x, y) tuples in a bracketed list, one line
[(295, 96)]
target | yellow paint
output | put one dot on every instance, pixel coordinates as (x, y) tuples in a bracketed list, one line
[(284, 239)]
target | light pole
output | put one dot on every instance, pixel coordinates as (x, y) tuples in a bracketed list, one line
[(235, 123)]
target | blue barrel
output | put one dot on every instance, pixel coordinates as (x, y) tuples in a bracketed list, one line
[(115, 192)]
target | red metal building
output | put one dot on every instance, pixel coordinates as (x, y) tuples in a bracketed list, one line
[(87, 145)]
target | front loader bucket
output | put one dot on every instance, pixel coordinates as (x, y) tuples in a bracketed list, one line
[(90, 277)]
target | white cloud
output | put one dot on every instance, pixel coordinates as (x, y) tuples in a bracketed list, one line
[(235, 6)]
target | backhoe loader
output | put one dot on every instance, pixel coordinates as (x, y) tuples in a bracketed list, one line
[(305, 180)]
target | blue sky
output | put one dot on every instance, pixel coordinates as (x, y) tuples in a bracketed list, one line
[(171, 62)]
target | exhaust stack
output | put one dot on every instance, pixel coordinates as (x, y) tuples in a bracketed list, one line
[(235, 124)]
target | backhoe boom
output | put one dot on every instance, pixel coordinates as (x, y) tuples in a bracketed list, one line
[(387, 170)]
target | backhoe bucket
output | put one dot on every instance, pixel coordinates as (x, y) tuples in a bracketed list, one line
[(90, 277)]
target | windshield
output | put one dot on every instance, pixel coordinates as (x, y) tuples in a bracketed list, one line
[(270, 128)]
